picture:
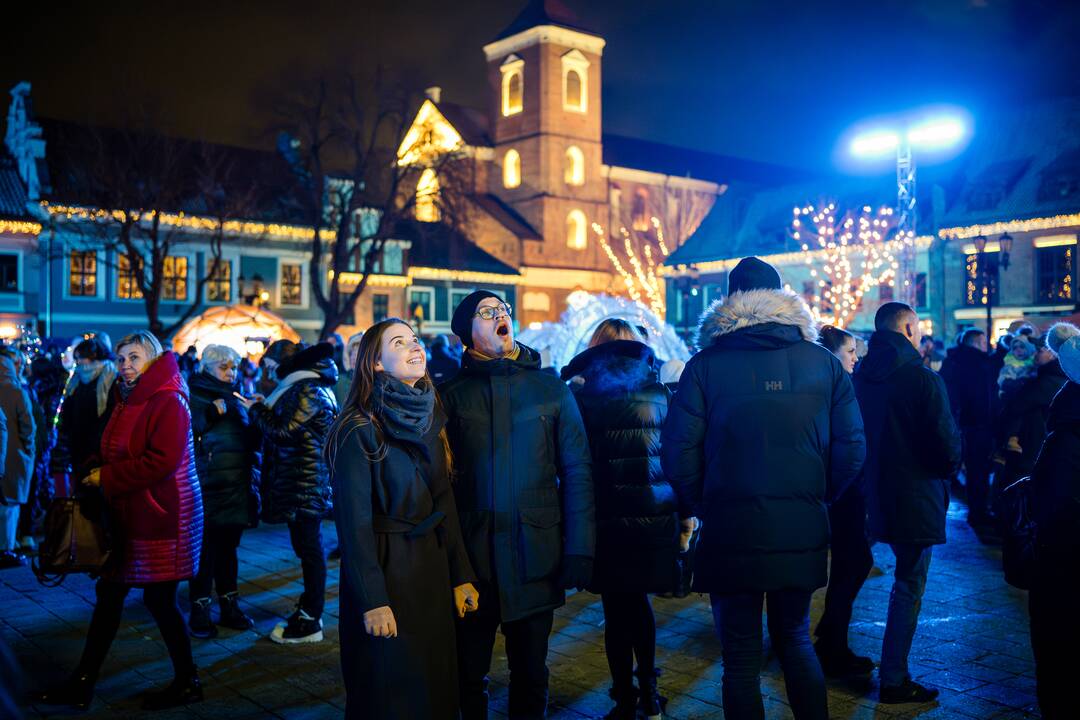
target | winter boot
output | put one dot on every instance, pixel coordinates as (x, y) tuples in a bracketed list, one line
[(299, 628), (200, 625), (841, 662), (650, 702), (625, 703), (77, 692), (181, 691), (231, 614)]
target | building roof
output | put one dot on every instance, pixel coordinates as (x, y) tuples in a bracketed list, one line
[(437, 245), (543, 12), (507, 216), (471, 124), (13, 197)]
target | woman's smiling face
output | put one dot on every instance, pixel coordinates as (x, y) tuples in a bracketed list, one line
[(401, 355)]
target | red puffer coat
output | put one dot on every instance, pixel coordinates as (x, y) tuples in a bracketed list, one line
[(149, 478)]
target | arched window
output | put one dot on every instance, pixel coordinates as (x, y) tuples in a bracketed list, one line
[(511, 169), (427, 196), (513, 85), (575, 81), (575, 166), (576, 224), (639, 214), (574, 99)]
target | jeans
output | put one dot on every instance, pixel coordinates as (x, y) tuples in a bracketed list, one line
[(738, 622), (9, 526), (905, 601), (629, 631), (160, 600), (851, 564), (526, 653), (306, 537), (217, 562)]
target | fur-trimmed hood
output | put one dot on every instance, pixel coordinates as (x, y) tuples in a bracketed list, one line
[(755, 307)]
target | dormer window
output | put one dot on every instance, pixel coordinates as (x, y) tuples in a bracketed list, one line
[(575, 74), (513, 85)]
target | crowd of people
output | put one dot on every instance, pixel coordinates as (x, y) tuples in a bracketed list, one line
[(471, 488)]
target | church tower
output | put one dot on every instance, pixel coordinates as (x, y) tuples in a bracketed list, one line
[(544, 89)]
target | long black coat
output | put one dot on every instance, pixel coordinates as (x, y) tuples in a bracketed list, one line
[(79, 430), (764, 428), (1055, 501), (971, 383), (624, 406), (401, 547), (1024, 416), (913, 445), (295, 475), (523, 478), (226, 454)]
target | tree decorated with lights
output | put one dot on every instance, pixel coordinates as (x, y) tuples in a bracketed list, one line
[(642, 254), (848, 255)]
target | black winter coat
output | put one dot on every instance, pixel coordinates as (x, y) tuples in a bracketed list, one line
[(913, 445), (523, 479), (401, 547), (624, 406), (295, 475), (971, 383), (1055, 500), (444, 365), (1024, 416), (78, 432), (226, 454), (763, 430)]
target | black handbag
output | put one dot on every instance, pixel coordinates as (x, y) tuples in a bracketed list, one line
[(1019, 545), (77, 538)]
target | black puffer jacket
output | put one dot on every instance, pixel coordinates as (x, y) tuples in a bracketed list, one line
[(295, 475), (763, 430), (1055, 501), (624, 406), (972, 385), (226, 454), (523, 479), (913, 445)]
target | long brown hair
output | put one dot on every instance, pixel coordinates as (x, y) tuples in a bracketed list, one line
[(614, 329), (358, 410)]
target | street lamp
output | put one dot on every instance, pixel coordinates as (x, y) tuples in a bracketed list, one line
[(937, 133), (1005, 243)]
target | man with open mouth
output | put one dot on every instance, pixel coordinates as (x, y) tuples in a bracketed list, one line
[(523, 484)]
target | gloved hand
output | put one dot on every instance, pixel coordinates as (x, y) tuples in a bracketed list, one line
[(576, 572)]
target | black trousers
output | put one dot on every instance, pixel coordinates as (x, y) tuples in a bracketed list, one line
[(526, 653), (306, 537), (1055, 632), (217, 562), (978, 446), (851, 564), (160, 600), (629, 631)]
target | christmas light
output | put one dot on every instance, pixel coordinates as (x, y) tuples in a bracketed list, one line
[(1011, 226), (19, 227)]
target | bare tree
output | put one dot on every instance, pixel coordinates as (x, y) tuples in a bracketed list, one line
[(356, 182), (136, 191)]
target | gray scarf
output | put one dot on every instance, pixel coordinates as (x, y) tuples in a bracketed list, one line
[(101, 371)]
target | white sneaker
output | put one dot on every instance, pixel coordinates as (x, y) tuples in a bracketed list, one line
[(299, 628)]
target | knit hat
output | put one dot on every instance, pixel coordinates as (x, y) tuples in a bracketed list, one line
[(1069, 355), (753, 274), (1059, 333), (461, 323)]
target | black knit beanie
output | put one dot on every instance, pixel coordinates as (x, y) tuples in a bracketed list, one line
[(461, 323), (753, 274)]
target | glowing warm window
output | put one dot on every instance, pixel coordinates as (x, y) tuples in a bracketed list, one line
[(639, 214), (427, 196), (575, 230), (513, 85), (539, 301), (575, 71), (127, 281), (511, 169), (575, 166)]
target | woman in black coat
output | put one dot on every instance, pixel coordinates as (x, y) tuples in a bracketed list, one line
[(404, 568), (227, 460), (83, 414), (624, 406)]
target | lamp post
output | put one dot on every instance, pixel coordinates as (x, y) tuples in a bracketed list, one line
[(1005, 243)]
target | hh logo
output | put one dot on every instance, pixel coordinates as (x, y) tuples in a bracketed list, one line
[(773, 385)]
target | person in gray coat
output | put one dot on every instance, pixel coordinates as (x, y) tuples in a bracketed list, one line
[(19, 460)]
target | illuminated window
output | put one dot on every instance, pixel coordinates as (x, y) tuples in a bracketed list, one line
[(575, 230), (539, 301), (575, 71), (82, 273), (1054, 273), (380, 307), (575, 166), (219, 284), (174, 279), (513, 85), (127, 283), (291, 284), (511, 169), (640, 211), (427, 196)]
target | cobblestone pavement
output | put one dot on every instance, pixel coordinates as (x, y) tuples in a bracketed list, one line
[(972, 643)]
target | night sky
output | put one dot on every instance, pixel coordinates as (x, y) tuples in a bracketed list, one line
[(778, 81)]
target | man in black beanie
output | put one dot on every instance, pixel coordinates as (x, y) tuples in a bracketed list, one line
[(523, 485), (763, 430)]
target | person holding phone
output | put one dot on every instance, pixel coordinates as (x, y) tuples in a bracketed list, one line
[(404, 567)]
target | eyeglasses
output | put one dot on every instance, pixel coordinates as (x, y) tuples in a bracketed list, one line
[(490, 313)]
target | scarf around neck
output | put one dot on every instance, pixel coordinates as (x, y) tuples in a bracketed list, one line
[(512, 355), (103, 372), (405, 412)]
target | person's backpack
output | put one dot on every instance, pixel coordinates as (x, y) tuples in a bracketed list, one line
[(1018, 549)]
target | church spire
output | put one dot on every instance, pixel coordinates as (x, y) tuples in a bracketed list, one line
[(543, 12)]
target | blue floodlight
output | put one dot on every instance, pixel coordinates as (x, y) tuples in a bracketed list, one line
[(876, 143), (936, 133)]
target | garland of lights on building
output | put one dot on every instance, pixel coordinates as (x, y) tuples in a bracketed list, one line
[(854, 255), (19, 227)]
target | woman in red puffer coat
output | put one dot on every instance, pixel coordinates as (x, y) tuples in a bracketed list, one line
[(149, 483)]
